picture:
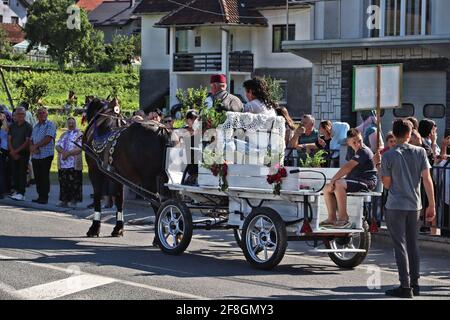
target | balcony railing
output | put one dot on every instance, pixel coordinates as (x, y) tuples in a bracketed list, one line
[(188, 62)]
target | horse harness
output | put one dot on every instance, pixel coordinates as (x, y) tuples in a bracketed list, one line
[(109, 143)]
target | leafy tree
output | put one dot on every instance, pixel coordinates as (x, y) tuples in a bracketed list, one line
[(122, 49), (48, 25), (5, 46), (32, 90), (275, 90), (192, 98), (92, 48)]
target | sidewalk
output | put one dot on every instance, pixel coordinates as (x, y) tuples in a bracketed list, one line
[(139, 212), (135, 211)]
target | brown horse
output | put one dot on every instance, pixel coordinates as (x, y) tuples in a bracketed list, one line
[(133, 153)]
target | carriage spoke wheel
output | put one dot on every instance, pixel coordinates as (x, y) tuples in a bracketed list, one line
[(264, 238), (173, 230), (350, 260)]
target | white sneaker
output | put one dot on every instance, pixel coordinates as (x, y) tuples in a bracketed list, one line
[(13, 195), (18, 197)]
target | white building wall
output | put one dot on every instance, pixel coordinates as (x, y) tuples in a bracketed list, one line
[(262, 39), (210, 39), (154, 55), (14, 9)]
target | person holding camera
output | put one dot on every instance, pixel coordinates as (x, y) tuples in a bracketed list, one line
[(305, 135)]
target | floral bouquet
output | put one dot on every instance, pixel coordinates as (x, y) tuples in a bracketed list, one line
[(218, 167), (277, 178)]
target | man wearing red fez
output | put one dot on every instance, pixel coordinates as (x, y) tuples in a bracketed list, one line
[(220, 97)]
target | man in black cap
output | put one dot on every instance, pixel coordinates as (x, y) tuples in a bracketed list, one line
[(220, 97)]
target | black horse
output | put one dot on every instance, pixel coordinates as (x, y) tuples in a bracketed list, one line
[(134, 152)]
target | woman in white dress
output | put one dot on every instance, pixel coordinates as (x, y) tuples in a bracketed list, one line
[(259, 101)]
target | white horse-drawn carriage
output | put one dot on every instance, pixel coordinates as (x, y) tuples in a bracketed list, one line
[(263, 221)]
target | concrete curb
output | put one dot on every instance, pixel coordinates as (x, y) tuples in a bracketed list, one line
[(426, 242), (150, 220), (32, 205)]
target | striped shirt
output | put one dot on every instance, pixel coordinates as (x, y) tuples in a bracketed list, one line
[(40, 131)]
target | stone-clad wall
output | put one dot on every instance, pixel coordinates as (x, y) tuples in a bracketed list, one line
[(327, 92)]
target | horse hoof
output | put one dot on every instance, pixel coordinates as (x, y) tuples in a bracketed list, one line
[(118, 230), (94, 230), (117, 233)]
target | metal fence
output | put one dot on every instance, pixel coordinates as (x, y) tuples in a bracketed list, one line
[(441, 177)]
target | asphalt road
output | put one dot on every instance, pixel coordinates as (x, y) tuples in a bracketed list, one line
[(44, 255)]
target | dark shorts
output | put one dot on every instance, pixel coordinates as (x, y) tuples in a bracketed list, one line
[(360, 185)]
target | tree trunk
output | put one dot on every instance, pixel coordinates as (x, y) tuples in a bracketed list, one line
[(61, 63)]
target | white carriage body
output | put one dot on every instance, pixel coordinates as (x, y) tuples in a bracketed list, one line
[(248, 186)]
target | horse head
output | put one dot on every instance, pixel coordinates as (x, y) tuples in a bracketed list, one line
[(102, 116)]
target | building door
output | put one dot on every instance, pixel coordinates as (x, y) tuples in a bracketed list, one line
[(424, 96)]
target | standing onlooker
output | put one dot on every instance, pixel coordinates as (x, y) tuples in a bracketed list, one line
[(31, 119), (3, 153), (369, 130), (402, 169), (42, 151), (19, 142), (290, 126), (444, 176), (70, 165), (155, 115), (414, 122), (390, 142), (428, 132)]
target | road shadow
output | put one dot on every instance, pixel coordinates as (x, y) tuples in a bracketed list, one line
[(147, 260)]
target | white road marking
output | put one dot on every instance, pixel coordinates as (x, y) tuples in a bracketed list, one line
[(180, 294), (64, 287)]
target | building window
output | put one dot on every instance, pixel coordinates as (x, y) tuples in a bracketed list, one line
[(397, 17), (407, 110), (372, 21), (279, 35), (6, 2), (198, 41), (434, 111), (181, 41), (284, 92), (14, 20)]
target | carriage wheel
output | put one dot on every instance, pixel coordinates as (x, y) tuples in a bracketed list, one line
[(238, 237), (264, 238), (173, 227), (360, 240)]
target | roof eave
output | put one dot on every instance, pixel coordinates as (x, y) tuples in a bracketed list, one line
[(191, 25), (310, 49)]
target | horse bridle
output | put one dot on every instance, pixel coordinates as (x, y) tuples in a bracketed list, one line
[(101, 113)]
